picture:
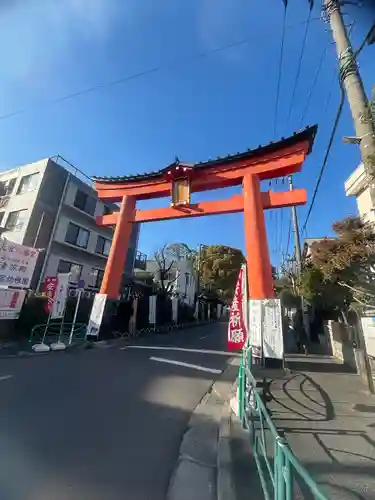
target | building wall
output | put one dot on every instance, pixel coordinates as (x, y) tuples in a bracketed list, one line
[(24, 201), (358, 185), (43, 204)]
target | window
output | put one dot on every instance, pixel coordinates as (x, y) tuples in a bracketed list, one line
[(71, 268), (28, 183), (1, 217), (103, 246), (16, 220), (107, 210), (6, 187), (96, 277), (76, 235), (85, 202)]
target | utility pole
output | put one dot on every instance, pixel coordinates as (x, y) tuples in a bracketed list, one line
[(353, 85), (297, 251), (297, 242)]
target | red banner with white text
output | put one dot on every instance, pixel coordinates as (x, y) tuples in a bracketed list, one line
[(50, 288), (237, 328)]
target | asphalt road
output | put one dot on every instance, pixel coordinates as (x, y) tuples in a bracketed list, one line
[(102, 424)]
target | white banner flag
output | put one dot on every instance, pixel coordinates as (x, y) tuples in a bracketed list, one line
[(152, 309), (174, 310), (58, 308), (255, 327), (96, 315)]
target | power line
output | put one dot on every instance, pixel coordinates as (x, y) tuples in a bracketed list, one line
[(299, 63), (319, 68), (178, 62), (329, 147), (280, 70)]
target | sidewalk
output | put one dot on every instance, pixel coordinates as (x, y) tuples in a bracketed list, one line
[(328, 418)]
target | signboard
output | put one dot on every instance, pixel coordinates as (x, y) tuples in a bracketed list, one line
[(237, 328), (81, 285), (96, 315), (152, 309), (11, 303), (17, 263), (50, 287), (273, 344), (61, 294)]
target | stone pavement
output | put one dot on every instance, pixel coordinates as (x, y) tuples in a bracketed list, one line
[(328, 417)]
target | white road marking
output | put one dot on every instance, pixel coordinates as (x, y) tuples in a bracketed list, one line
[(5, 377), (204, 337), (180, 349), (186, 365)]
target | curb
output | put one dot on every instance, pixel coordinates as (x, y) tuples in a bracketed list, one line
[(225, 482), (22, 353), (202, 467)]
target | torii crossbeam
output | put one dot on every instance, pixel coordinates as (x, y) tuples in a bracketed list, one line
[(179, 180)]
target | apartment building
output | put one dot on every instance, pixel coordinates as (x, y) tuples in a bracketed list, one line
[(180, 277), (358, 185), (51, 205)]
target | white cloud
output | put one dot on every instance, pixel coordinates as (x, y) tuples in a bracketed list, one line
[(35, 35)]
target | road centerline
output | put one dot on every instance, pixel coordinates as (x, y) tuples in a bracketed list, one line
[(185, 365)]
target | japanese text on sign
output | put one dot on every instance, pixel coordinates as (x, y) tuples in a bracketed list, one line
[(17, 263), (237, 332)]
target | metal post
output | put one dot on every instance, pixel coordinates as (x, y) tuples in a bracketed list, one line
[(297, 242), (351, 80), (240, 390), (297, 248), (39, 229), (53, 231), (75, 316)]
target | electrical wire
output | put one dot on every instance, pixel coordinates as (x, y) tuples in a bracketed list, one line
[(299, 64), (326, 156), (344, 70), (173, 64), (312, 88), (280, 70)]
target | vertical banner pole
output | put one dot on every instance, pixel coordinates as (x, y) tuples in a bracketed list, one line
[(75, 317)]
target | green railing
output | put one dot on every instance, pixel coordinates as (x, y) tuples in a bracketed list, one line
[(279, 470), (54, 332)]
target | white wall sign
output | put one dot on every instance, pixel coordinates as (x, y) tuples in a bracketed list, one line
[(96, 315), (11, 303), (17, 263), (273, 343), (58, 308), (152, 309)]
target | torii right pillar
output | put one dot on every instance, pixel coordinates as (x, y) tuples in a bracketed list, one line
[(259, 271)]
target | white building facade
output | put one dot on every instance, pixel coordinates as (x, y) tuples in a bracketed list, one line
[(358, 185), (48, 206)]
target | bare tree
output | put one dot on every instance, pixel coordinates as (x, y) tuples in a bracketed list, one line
[(164, 266)]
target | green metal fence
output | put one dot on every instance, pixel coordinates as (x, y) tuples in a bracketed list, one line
[(53, 332), (279, 470)]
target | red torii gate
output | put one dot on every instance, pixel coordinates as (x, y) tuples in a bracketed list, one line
[(179, 180)]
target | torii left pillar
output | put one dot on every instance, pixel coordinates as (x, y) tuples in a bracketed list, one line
[(112, 279), (259, 271)]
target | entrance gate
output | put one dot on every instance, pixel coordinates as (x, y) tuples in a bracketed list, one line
[(179, 180)]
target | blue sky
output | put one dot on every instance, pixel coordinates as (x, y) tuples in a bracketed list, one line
[(197, 109)]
